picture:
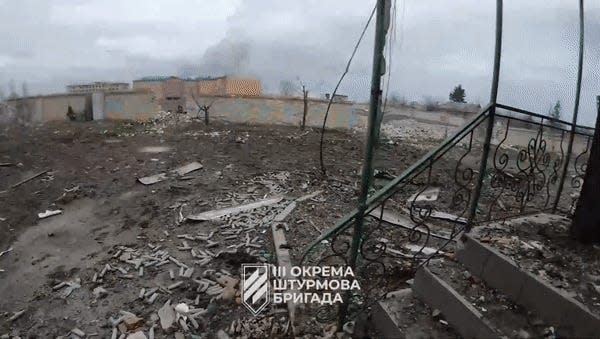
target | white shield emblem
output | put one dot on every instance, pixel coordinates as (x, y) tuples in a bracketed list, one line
[(256, 292)]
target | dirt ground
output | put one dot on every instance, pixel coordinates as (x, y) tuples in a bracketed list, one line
[(92, 170)]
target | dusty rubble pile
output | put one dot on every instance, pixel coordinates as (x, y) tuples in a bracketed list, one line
[(165, 120), (413, 130)]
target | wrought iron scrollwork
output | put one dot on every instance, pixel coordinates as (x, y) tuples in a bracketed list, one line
[(402, 231)]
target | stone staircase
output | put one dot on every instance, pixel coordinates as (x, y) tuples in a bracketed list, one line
[(483, 293)]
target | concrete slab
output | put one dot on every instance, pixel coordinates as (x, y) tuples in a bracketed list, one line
[(459, 313)]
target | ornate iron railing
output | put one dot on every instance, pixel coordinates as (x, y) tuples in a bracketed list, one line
[(416, 217)]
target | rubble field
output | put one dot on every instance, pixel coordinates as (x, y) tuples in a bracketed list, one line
[(104, 231)]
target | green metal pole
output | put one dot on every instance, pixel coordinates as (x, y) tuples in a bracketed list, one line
[(490, 118), (381, 27), (575, 111)]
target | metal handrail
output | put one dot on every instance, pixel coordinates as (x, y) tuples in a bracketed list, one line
[(545, 117), (389, 189)]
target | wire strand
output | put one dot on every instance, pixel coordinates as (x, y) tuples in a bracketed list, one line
[(338, 85)]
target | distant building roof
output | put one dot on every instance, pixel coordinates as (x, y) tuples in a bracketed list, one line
[(167, 77), (98, 83), (155, 78)]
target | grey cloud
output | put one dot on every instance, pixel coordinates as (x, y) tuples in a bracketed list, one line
[(438, 45)]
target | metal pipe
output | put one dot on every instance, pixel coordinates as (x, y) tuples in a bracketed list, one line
[(381, 27), (575, 111), (491, 114)]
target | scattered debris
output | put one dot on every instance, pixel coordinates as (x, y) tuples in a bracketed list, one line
[(78, 332), (6, 251), (288, 209), (428, 195), (522, 334), (222, 335), (100, 292), (29, 178), (166, 315), (420, 249), (153, 179), (309, 196), (154, 149), (214, 214), (137, 335), (449, 217), (183, 170), (71, 286), (16, 315), (48, 213)]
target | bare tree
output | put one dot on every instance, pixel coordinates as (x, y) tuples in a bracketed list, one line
[(287, 88), (305, 107), (202, 107)]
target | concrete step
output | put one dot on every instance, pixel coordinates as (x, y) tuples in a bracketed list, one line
[(402, 315), (471, 307), (568, 316)]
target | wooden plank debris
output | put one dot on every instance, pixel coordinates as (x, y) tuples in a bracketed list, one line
[(309, 196), (29, 178), (214, 214), (288, 209), (185, 169)]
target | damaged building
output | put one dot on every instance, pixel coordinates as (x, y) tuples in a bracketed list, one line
[(171, 91)]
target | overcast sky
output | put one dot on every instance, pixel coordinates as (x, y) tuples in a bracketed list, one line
[(438, 44)]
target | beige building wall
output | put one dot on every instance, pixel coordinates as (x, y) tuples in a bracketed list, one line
[(213, 87), (179, 88), (49, 108), (190, 88), (242, 87), (155, 86), (140, 105)]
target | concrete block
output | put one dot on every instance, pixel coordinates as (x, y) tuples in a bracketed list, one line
[(502, 274), (465, 253), (459, 313), (569, 316), (384, 322)]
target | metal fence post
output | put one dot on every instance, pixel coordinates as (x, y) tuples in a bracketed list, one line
[(575, 112), (490, 121), (381, 26)]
